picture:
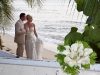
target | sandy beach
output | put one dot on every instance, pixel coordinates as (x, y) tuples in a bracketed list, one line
[(48, 53)]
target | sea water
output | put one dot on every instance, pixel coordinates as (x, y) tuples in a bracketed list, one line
[(53, 21)]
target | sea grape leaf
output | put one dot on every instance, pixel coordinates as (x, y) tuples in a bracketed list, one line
[(94, 35), (72, 37), (61, 48)]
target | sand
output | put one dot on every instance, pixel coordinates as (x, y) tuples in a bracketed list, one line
[(48, 53)]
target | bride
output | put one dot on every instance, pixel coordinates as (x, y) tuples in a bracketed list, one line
[(30, 43)]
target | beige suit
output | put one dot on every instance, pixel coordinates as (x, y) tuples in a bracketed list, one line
[(19, 37)]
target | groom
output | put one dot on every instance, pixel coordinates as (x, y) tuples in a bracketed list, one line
[(20, 35)]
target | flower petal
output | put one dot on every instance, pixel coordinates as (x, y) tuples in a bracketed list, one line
[(74, 47), (80, 47), (67, 51), (69, 61), (73, 54), (67, 47), (71, 64), (81, 53), (85, 60), (87, 51)]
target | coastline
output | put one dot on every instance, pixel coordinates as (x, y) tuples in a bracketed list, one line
[(49, 49)]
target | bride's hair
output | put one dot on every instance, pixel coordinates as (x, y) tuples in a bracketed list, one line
[(28, 16)]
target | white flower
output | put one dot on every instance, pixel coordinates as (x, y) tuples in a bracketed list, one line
[(67, 51), (79, 63), (81, 53), (80, 49), (87, 51), (77, 55), (74, 47), (69, 61), (67, 47), (77, 47), (72, 63), (85, 60), (73, 54), (78, 58)]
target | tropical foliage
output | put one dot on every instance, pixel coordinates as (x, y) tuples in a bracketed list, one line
[(7, 11), (78, 55), (91, 34), (6, 14), (90, 8)]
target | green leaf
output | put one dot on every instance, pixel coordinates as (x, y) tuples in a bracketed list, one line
[(92, 6), (80, 5), (97, 18), (86, 66), (96, 7), (71, 70), (95, 35), (61, 48), (85, 44), (87, 7), (60, 58), (74, 29), (94, 25), (87, 28), (66, 42), (90, 20), (77, 1), (73, 36), (98, 44), (93, 57)]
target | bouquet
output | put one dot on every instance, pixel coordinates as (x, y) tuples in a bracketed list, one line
[(78, 55)]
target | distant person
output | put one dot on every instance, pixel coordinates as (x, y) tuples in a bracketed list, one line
[(20, 35), (33, 47)]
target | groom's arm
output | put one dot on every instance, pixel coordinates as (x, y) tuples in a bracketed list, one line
[(18, 30)]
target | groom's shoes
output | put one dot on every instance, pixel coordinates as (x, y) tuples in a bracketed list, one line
[(17, 56)]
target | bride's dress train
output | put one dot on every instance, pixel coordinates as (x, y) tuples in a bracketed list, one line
[(33, 48), (39, 48)]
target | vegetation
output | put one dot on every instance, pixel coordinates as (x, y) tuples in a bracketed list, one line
[(91, 34), (7, 14), (90, 8)]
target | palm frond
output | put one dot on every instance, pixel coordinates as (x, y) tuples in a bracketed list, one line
[(6, 13), (73, 12), (72, 8), (78, 15), (68, 5), (34, 3)]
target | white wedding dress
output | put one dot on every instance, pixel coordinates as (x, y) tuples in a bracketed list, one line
[(33, 47)]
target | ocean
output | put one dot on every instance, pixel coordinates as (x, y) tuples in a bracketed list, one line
[(53, 21)]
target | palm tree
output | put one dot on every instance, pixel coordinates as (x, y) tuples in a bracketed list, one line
[(7, 14), (90, 8)]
